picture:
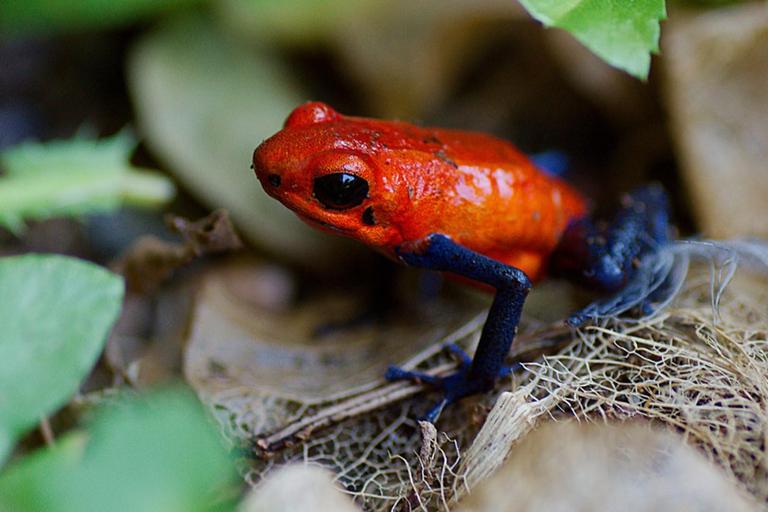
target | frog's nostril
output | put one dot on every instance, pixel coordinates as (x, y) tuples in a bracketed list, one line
[(274, 180)]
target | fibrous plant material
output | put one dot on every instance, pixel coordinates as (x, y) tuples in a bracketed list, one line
[(696, 368)]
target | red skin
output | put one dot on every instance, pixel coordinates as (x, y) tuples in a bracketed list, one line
[(479, 190)]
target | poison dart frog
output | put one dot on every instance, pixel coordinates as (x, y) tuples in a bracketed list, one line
[(458, 202)]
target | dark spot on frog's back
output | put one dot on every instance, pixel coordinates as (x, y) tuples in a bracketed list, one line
[(274, 180)]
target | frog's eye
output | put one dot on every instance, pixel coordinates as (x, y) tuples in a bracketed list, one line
[(340, 190)]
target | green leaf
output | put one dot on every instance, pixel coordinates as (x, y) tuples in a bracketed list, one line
[(74, 177), (20, 482), (623, 33), (56, 313), (143, 454), (109, 155)]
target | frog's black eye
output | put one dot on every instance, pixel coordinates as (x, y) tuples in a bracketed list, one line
[(340, 190)]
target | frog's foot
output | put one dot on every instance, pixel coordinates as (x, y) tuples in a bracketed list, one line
[(650, 287), (454, 386)]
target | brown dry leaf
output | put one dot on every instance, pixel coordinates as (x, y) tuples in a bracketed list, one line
[(243, 354), (146, 343), (212, 234)]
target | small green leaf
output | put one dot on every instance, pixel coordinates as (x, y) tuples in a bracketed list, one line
[(143, 454), (55, 313), (623, 33), (74, 177), (108, 155)]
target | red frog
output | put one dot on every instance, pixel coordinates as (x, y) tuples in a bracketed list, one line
[(465, 203)]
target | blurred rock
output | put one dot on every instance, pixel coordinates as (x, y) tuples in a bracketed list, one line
[(630, 467), (716, 82), (409, 65), (298, 488)]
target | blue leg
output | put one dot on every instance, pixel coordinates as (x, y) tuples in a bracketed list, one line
[(440, 253), (607, 258)]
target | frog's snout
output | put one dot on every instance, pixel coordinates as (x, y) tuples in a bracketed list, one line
[(263, 170)]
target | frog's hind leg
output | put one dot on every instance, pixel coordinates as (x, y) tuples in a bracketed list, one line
[(610, 259)]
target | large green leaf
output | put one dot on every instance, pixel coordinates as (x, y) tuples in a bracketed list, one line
[(623, 33), (155, 453), (55, 314)]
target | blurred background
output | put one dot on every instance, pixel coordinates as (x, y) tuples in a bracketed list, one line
[(202, 83)]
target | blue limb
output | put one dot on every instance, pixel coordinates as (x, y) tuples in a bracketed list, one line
[(608, 259), (440, 253)]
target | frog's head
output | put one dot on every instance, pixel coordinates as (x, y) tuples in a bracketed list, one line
[(321, 165)]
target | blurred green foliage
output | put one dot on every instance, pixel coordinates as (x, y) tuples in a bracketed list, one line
[(74, 178), (47, 16), (56, 314), (157, 452), (623, 33)]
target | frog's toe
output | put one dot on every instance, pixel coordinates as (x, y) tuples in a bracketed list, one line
[(394, 373), (454, 387), (459, 354)]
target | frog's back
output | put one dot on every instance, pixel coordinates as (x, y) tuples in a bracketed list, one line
[(483, 193)]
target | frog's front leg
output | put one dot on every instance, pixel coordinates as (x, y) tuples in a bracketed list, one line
[(440, 253)]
